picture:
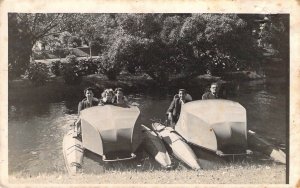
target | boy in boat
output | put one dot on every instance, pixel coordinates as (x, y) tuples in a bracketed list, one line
[(173, 111), (212, 93), (87, 102), (119, 97), (107, 97)]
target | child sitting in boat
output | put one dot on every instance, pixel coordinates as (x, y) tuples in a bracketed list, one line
[(87, 102), (107, 97), (119, 97), (212, 93)]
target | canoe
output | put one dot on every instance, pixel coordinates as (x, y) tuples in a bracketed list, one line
[(111, 131), (73, 153), (155, 147), (179, 147), (258, 143), (216, 125)]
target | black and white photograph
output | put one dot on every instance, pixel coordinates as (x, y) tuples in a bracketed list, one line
[(146, 98)]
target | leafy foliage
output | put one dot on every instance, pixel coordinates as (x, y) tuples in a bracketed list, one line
[(162, 45), (88, 66), (38, 73), (71, 71), (25, 29), (274, 34), (56, 68), (74, 41)]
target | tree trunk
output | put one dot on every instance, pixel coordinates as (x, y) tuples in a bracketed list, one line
[(19, 57)]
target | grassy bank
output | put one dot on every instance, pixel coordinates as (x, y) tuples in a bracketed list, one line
[(232, 174)]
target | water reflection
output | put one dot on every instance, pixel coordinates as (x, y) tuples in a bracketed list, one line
[(35, 138), (266, 107)]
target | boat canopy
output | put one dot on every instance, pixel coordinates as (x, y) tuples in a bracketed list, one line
[(215, 124), (109, 129)]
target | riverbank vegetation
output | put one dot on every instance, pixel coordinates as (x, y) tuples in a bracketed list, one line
[(165, 47)]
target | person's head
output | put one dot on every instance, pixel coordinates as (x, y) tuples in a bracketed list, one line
[(213, 88), (119, 92), (88, 92), (108, 94), (182, 94)]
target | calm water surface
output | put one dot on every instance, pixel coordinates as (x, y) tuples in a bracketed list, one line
[(36, 129)]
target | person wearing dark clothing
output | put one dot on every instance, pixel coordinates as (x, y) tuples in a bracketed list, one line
[(119, 97), (174, 109), (212, 93), (87, 102)]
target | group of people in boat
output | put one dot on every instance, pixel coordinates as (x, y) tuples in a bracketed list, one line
[(110, 96), (183, 97)]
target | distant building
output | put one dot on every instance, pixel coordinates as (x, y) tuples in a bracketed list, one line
[(39, 46)]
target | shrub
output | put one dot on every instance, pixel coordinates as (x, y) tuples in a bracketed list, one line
[(88, 66), (61, 52), (96, 47), (71, 71), (38, 73), (56, 68), (39, 55), (109, 67), (74, 41)]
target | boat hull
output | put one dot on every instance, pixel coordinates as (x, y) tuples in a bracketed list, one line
[(73, 153), (216, 125), (180, 148), (110, 131), (155, 147)]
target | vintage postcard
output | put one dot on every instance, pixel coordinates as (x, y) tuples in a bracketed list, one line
[(149, 93)]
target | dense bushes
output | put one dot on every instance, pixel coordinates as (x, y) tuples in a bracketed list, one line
[(88, 66), (61, 52), (74, 41), (38, 73), (56, 68), (74, 68), (160, 45), (70, 71)]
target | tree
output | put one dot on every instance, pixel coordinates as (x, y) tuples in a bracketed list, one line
[(74, 41), (164, 46), (25, 29), (275, 34), (218, 41), (184, 45), (144, 48)]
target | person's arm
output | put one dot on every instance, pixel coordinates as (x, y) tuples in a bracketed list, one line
[(170, 109), (204, 97), (100, 102), (80, 107)]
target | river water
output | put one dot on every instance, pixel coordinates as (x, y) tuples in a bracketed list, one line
[(36, 127)]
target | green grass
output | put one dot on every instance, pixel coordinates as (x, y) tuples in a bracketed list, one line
[(231, 174)]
